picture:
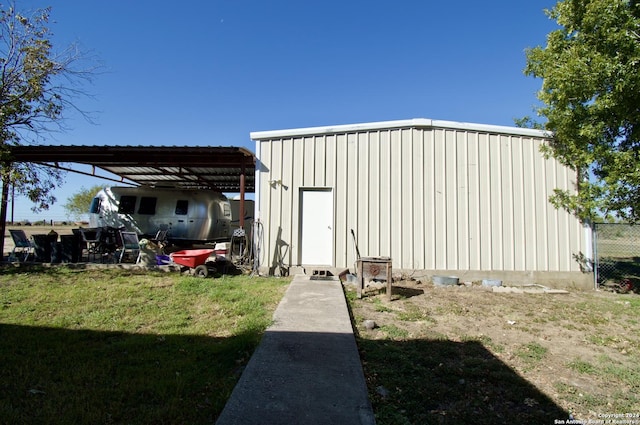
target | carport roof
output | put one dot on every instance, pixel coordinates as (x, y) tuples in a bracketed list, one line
[(220, 168)]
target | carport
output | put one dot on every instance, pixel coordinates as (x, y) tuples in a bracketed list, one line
[(221, 168)]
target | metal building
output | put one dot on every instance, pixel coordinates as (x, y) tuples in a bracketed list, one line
[(435, 196)]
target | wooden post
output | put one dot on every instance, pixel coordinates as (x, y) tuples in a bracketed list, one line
[(242, 195), (360, 284), (389, 280)]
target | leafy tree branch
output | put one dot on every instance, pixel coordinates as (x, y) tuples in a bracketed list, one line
[(38, 86), (590, 95)]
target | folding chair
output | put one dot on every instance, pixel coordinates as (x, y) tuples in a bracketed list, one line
[(161, 239), (21, 242), (43, 247), (130, 243), (161, 236), (91, 239)]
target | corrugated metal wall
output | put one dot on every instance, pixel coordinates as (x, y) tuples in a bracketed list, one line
[(430, 198)]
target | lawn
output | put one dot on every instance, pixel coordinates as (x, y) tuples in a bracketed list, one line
[(116, 346), (467, 355)]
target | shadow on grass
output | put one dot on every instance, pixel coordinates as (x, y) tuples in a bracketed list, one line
[(216, 269), (60, 376), (618, 272), (405, 292), (19, 268), (52, 269), (397, 291), (445, 382)]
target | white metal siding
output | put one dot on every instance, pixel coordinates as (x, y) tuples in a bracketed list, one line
[(434, 198)]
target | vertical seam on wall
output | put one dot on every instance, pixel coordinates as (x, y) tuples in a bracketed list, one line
[(456, 228), (421, 212), (522, 208), (434, 258), (534, 221), (367, 215), (490, 203), (293, 205), (390, 181), (444, 198), (379, 186), (467, 195), (513, 179), (478, 201), (411, 201), (280, 194), (501, 204)]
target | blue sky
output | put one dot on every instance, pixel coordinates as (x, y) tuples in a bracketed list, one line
[(207, 73)]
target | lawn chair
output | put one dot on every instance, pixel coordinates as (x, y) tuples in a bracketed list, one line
[(161, 236), (21, 243), (91, 241), (130, 243), (43, 246), (161, 239)]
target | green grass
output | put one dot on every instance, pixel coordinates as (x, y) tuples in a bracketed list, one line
[(415, 314), (532, 352), (379, 306), (582, 367), (485, 341), (115, 346), (393, 332)]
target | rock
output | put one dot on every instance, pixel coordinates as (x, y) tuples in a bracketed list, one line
[(370, 324)]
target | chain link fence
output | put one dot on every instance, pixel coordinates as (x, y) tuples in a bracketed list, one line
[(617, 254)]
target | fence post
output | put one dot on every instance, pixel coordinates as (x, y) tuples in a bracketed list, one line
[(596, 259)]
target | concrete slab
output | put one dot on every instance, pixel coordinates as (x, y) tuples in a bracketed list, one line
[(307, 368), (528, 289)]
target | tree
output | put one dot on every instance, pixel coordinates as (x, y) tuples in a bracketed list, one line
[(78, 204), (37, 87), (590, 95)]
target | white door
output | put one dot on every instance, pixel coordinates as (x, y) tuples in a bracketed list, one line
[(317, 227)]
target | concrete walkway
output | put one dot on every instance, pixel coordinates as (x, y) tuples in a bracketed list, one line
[(306, 369)]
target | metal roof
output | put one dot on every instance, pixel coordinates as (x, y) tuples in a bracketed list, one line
[(387, 125), (220, 168)]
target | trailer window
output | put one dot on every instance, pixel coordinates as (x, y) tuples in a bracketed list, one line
[(227, 209), (95, 206), (182, 207), (147, 205), (127, 204)]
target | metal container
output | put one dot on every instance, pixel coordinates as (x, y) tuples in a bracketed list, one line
[(445, 280), (491, 282)]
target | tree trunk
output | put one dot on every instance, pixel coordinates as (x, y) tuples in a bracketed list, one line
[(3, 206)]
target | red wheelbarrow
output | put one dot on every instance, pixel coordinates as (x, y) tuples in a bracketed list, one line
[(195, 259)]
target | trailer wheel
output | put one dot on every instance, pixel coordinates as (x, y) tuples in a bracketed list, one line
[(201, 271)]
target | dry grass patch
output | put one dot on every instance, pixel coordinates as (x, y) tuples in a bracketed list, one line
[(469, 355)]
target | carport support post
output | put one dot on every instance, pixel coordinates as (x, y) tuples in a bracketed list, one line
[(242, 196)]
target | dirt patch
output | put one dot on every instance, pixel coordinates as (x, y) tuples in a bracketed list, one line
[(580, 349)]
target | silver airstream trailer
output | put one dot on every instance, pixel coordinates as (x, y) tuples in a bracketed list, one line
[(190, 215)]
